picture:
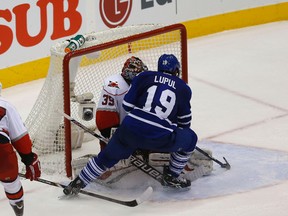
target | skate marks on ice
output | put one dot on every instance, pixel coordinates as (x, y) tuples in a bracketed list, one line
[(251, 168)]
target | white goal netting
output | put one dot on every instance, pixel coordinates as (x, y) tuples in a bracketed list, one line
[(102, 54)]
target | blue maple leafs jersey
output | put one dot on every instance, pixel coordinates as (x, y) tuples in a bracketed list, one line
[(157, 103)]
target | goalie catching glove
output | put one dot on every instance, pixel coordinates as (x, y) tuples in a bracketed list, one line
[(33, 168)]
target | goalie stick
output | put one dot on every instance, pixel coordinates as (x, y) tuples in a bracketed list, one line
[(157, 175), (223, 165), (83, 127), (131, 203)]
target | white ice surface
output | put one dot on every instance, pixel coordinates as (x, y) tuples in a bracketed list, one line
[(239, 80)]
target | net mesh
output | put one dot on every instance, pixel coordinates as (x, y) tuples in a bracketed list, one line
[(87, 72)]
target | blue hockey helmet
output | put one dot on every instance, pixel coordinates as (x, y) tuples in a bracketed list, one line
[(168, 63)]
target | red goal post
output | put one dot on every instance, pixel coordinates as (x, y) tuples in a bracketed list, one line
[(82, 71)]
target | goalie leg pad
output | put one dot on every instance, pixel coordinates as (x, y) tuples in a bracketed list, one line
[(159, 159), (197, 160), (79, 163), (77, 135)]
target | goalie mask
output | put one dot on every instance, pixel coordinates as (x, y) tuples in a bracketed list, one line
[(168, 63), (132, 67)]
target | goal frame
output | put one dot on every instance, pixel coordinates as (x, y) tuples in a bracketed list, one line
[(66, 77)]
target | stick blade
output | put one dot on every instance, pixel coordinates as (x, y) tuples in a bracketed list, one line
[(145, 195), (227, 165)]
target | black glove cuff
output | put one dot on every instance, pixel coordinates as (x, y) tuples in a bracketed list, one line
[(27, 159), (107, 131), (3, 139)]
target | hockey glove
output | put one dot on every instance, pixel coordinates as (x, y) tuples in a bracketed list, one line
[(33, 168)]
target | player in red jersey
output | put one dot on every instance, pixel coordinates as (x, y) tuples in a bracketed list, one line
[(14, 136)]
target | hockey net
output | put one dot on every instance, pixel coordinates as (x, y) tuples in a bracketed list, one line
[(56, 139)]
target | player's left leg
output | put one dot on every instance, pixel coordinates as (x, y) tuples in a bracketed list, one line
[(9, 178)]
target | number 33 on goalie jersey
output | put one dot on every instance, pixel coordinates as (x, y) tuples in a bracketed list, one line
[(109, 111), (158, 103)]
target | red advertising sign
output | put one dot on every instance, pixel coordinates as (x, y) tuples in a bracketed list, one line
[(115, 12)]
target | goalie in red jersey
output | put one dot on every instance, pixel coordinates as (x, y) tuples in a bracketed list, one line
[(14, 135), (109, 113)]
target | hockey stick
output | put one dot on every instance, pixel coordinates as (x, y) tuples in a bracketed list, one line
[(100, 137), (131, 203), (223, 165), (137, 162)]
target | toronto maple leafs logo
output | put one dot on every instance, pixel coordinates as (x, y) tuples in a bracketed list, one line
[(113, 84), (165, 62)]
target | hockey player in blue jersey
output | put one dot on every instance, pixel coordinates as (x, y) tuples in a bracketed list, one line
[(159, 119)]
